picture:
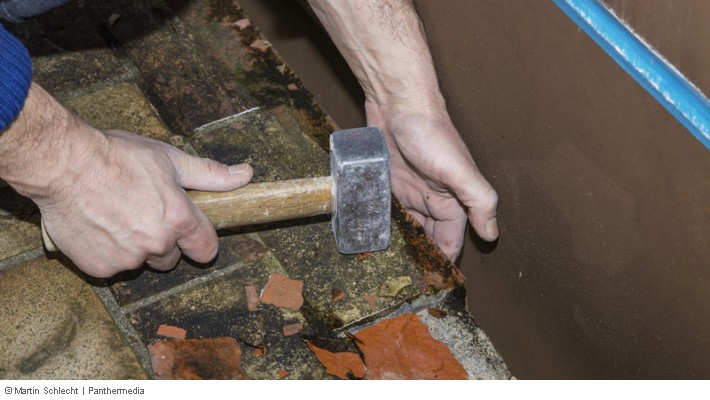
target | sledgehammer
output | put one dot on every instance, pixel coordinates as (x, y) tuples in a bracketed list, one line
[(357, 194)]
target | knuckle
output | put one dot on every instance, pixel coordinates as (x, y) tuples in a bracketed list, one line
[(488, 200)]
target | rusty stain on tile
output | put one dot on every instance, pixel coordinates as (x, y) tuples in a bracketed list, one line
[(402, 348), (195, 359), (247, 248)]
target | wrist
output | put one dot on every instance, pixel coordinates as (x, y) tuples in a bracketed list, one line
[(42, 146)]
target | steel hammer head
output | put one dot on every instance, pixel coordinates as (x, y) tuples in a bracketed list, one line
[(360, 168)]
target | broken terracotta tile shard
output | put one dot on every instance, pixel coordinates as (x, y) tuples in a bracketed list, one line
[(393, 286), (363, 256), (172, 332), (252, 298), (283, 292), (337, 294), (371, 301), (282, 373), (344, 365), (293, 329), (190, 359), (259, 351), (402, 348)]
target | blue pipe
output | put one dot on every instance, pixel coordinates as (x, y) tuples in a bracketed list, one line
[(680, 97)]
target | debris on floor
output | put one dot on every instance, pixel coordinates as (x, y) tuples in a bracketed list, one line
[(283, 292), (194, 359), (344, 365), (337, 295), (402, 348), (172, 332)]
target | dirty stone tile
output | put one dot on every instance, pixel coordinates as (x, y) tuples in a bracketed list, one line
[(19, 223), (188, 91), (132, 286), (53, 326), (259, 138), (209, 22), (69, 54), (121, 106)]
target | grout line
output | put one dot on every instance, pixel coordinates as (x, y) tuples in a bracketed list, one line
[(125, 326), (22, 257), (180, 288), (220, 123)]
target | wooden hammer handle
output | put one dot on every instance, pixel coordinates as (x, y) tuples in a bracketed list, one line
[(258, 203)]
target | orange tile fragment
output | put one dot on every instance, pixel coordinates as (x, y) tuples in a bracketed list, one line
[(402, 348), (283, 292), (363, 256), (293, 329), (344, 365), (337, 295), (171, 331), (259, 351), (252, 298), (282, 373), (213, 358)]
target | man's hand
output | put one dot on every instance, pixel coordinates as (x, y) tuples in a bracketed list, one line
[(433, 173), (111, 200), (434, 176)]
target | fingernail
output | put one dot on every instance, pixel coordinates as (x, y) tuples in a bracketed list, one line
[(238, 168), (492, 228)]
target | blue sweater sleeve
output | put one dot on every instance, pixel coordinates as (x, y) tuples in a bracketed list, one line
[(15, 77)]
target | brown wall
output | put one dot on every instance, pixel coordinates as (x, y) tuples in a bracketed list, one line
[(603, 265)]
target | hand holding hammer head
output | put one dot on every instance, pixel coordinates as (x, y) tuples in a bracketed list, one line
[(357, 194)]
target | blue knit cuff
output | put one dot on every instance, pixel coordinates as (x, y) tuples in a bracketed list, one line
[(15, 77)]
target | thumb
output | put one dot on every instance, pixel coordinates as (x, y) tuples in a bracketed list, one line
[(206, 174)]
